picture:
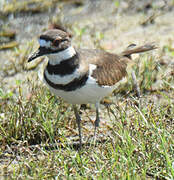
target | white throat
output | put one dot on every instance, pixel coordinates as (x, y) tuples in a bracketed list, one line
[(56, 58)]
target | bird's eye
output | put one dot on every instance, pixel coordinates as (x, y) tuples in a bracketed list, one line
[(56, 42)]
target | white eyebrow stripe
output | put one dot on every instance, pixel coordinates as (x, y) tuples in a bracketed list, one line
[(44, 43)]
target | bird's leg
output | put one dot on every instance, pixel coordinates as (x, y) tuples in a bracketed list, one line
[(78, 120), (97, 120)]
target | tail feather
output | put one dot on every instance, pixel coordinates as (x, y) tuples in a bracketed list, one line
[(132, 49)]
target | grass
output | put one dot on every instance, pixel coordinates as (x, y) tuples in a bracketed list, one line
[(136, 137), (38, 133)]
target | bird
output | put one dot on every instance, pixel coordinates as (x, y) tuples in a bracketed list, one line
[(82, 76)]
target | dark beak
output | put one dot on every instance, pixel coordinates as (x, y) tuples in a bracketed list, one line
[(38, 53)]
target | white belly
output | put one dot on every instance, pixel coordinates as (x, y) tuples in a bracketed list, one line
[(90, 93)]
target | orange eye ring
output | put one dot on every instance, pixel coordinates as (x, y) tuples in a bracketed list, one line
[(56, 42)]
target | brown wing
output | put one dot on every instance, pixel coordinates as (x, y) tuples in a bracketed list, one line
[(110, 69)]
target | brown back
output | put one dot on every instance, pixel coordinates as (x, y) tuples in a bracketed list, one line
[(111, 68)]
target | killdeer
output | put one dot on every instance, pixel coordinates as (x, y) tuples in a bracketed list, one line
[(82, 76)]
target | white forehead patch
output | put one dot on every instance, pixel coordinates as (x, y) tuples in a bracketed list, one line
[(44, 43)]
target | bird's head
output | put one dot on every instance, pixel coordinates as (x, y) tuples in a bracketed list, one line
[(51, 42)]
